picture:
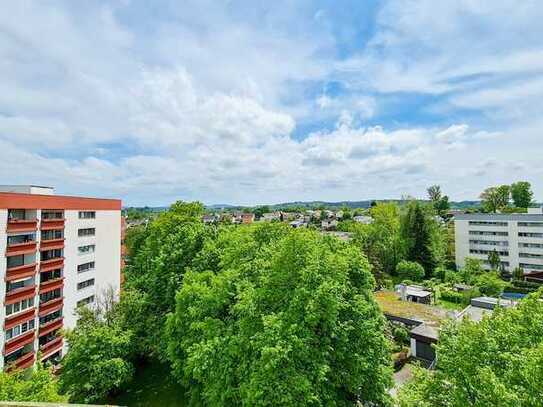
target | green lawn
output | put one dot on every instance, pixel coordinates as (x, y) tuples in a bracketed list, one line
[(152, 386), (451, 306)]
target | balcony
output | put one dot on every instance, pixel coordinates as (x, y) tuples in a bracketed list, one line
[(51, 285), (51, 326), (21, 248), (23, 362), (51, 306), (18, 319), (22, 225), (20, 272), (51, 347), (51, 264), (52, 244), (53, 223), (20, 294), (19, 342)]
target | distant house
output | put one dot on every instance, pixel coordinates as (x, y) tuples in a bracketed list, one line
[(247, 217), (210, 218), (365, 220), (271, 216), (329, 224)]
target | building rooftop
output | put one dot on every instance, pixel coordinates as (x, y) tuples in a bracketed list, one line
[(390, 304)]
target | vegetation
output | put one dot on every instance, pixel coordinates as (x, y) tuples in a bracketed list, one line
[(34, 385), (522, 195), (281, 318), (498, 361), (410, 270)]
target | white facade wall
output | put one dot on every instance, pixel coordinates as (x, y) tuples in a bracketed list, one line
[(3, 264), (513, 228)]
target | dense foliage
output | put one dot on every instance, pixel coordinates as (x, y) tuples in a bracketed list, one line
[(99, 360), (496, 362), (279, 317), (410, 270), (33, 385)]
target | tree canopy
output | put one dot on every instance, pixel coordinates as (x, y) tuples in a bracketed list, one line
[(496, 362), (410, 270), (521, 193), (281, 318), (37, 384)]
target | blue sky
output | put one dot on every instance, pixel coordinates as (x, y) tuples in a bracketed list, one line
[(263, 102)]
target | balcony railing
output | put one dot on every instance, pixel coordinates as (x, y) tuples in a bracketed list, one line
[(19, 342), (20, 272), (19, 318), (50, 224), (20, 294), (51, 347), (23, 362), (51, 285), (22, 225), (51, 326), (21, 248), (52, 244), (50, 306), (51, 264)]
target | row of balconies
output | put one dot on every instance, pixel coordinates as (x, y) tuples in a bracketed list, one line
[(31, 225), (48, 334)]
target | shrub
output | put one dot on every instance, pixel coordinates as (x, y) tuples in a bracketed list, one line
[(410, 270), (400, 334)]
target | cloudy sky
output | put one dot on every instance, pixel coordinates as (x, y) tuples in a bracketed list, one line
[(261, 102)]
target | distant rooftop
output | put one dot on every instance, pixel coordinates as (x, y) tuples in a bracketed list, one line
[(28, 189)]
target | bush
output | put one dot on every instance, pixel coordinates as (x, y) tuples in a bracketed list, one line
[(452, 296), (400, 334), (490, 284), (527, 284), (410, 270)]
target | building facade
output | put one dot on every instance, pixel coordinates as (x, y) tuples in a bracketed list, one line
[(56, 253), (517, 238)]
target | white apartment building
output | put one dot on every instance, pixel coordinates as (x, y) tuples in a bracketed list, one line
[(518, 239), (56, 253)]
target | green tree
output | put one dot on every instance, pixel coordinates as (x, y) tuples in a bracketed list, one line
[(99, 359), (155, 270), (522, 195), (410, 270), (495, 198), (419, 234), (496, 362), (518, 274), (380, 241), (37, 384), (287, 320), (490, 284), (494, 260), (439, 201), (472, 269)]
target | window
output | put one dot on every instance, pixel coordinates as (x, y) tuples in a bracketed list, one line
[(16, 261), (481, 251), (19, 306), (52, 214), (19, 329), (85, 301), (50, 275), (50, 317), (531, 266), (51, 234), (86, 249), (485, 233), (51, 254), (14, 285), (527, 234), (530, 255), (490, 242), (85, 267), (16, 214), (18, 239), (486, 223), (531, 224), (49, 296), (85, 284), (87, 215), (531, 245), (86, 232)]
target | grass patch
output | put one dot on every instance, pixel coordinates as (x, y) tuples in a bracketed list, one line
[(152, 386), (449, 305)]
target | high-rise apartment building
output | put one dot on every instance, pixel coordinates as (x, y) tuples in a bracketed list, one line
[(517, 238), (56, 253)]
